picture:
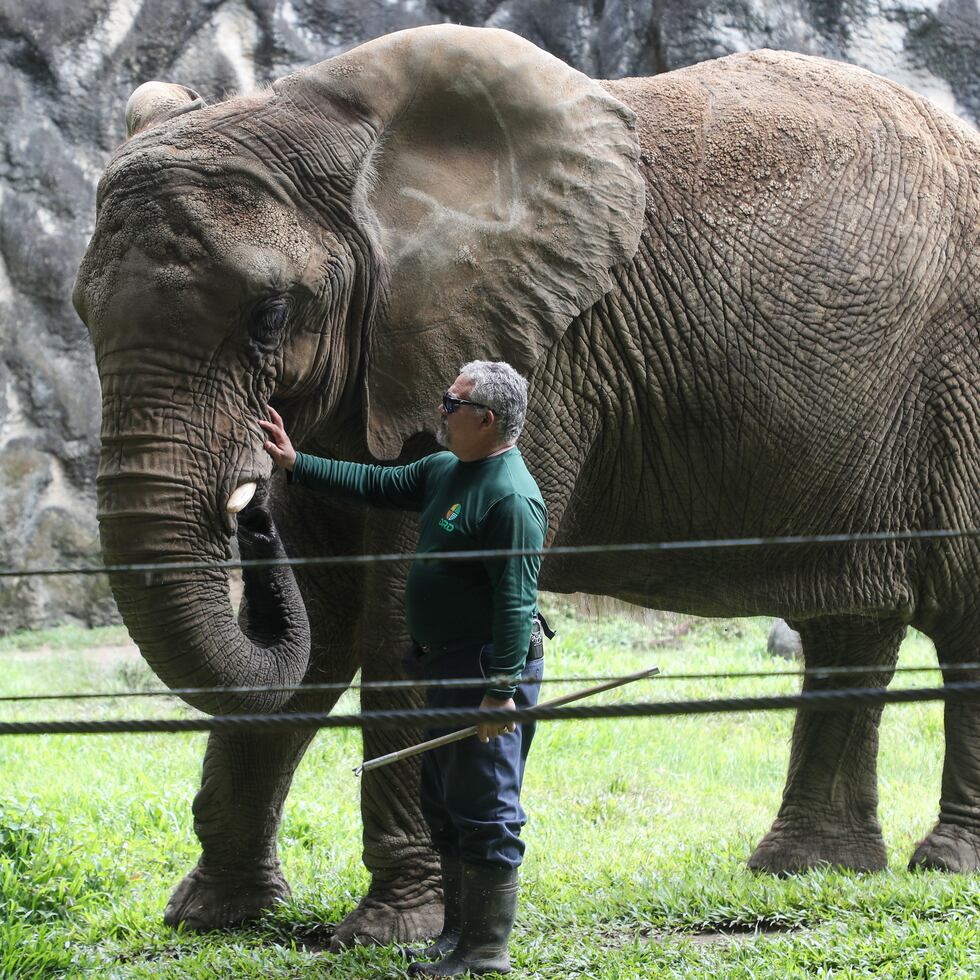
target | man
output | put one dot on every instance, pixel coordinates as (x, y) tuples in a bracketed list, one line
[(468, 619)]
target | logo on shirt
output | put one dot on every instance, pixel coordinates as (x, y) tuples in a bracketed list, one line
[(446, 523)]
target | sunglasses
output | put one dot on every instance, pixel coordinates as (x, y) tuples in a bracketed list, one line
[(450, 403)]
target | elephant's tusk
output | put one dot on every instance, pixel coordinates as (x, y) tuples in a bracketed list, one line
[(240, 498)]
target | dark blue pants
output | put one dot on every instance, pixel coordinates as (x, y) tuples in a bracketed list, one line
[(471, 791)]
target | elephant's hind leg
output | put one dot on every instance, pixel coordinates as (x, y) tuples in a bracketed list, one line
[(236, 815), (954, 843), (829, 809)]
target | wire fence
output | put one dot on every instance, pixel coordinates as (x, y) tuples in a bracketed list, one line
[(954, 690), (458, 717), (817, 673), (635, 547)]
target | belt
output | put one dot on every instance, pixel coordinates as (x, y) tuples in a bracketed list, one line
[(535, 650)]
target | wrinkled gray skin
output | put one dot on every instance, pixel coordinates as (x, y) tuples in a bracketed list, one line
[(786, 343)]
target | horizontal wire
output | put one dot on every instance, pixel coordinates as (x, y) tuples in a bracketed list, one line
[(465, 682), (150, 568), (460, 717)]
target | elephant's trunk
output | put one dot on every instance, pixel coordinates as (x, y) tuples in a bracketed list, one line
[(185, 628), (153, 508)]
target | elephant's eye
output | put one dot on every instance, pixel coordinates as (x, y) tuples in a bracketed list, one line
[(268, 323)]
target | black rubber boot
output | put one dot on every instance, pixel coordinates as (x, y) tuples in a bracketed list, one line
[(452, 875), (488, 907)]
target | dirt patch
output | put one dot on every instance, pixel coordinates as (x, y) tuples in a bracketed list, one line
[(314, 939), (742, 935)]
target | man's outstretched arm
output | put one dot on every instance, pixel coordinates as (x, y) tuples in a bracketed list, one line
[(399, 487)]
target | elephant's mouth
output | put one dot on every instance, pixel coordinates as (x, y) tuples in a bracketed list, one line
[(263, 617), (254, 526)]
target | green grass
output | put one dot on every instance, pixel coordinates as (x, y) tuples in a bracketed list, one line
[(637, 837), (64, 638)]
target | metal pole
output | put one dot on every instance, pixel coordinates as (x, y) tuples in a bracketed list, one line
[(435, 743)]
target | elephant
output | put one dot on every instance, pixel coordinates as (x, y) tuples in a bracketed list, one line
[(745, 295)]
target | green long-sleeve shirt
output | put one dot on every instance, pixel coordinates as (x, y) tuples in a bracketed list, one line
[(491, 503)]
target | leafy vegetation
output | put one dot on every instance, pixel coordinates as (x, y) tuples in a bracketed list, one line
[(637, 836)]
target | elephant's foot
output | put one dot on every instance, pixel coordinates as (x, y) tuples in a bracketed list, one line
[(948, 847), (392, 912), (792, 848), (216, 898)]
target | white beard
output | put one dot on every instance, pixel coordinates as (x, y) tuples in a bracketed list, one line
[(442, 435)]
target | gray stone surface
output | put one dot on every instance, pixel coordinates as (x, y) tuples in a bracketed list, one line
[(67, 69), (784, 642)]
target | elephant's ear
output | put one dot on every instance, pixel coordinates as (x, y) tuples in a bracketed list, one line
[(502, 188), (154, 102)]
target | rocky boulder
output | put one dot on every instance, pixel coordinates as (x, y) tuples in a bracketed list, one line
[(67, 69)]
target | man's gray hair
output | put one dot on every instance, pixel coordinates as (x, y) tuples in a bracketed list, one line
[(497, 385)]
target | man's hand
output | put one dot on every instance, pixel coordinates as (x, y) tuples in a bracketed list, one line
[(278, 445), (486, 732)]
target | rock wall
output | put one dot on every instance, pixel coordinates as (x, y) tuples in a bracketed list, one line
[(67, 69)]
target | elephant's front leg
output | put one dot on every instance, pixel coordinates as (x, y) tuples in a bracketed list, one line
[(830, 803), (247, 775), (236, 817), (404, 902)]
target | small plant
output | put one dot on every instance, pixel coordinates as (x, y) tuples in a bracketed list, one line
[(135, 675), (20, 833)]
